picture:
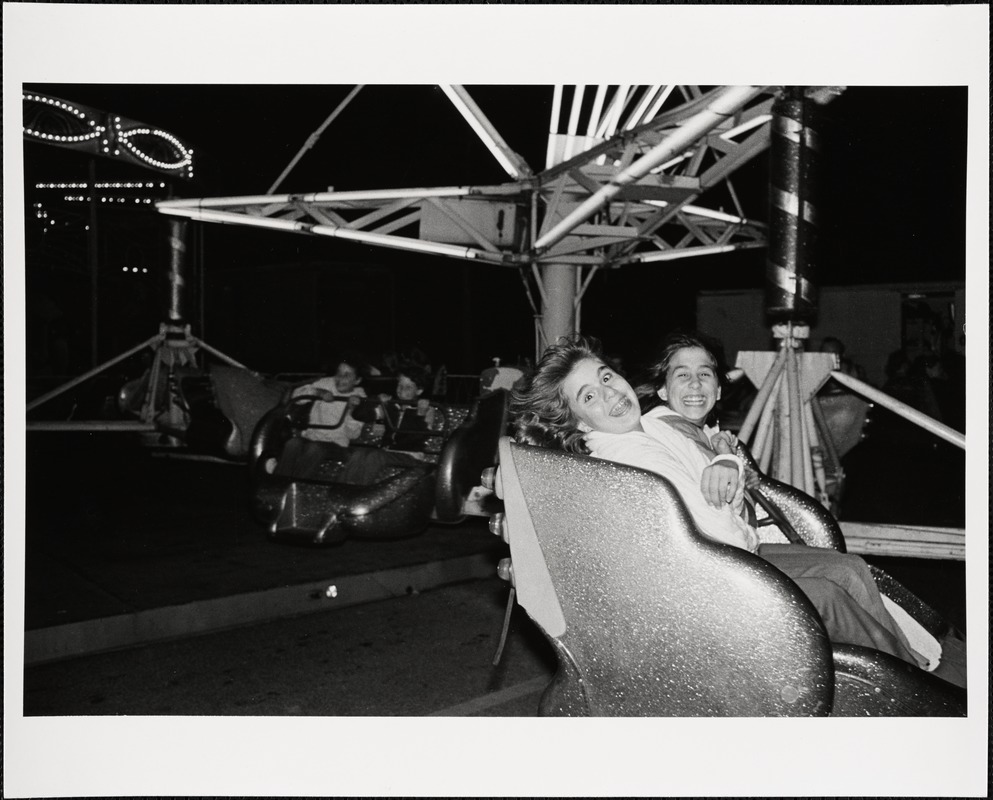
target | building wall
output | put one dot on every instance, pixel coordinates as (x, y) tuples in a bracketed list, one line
[(868, 319)]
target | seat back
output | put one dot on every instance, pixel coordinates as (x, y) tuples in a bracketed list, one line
[(845, 415), (209, 429), (646, 615), (244, 397), (470, 449)]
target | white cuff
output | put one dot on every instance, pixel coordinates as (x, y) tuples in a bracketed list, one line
[(730, 457)]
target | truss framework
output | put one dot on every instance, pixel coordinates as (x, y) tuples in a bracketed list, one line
[(633, 174)]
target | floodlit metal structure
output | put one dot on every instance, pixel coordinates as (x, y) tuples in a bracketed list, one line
[(633, 174), (98, 133)]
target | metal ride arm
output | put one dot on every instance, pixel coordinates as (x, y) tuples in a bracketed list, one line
[(648, 153), (382, 213), (171, 345), (174, 345), (909, 413)]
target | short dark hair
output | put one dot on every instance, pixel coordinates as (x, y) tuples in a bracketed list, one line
[(417, 373), (538, 406), (656, 374)]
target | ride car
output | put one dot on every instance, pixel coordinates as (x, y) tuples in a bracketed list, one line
[(404, 494), (648, 617)]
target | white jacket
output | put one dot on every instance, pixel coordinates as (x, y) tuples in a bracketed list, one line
[(661, 449)]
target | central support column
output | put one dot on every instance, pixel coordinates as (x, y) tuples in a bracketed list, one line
[(786, 440), (791, 265), (558, 313), (177, 268)]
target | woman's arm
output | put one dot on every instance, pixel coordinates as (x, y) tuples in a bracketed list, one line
[(721, 523)]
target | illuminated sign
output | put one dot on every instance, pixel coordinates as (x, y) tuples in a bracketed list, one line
[(78, 127)]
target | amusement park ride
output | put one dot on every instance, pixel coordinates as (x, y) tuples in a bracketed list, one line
[(623, 183), (94, 132), (633, 174)]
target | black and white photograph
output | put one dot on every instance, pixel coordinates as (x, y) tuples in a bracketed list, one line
[(383, 381)]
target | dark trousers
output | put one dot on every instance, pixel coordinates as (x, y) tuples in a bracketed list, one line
[(843, 591)]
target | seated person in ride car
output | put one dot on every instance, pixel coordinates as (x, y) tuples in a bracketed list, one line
[(574, 401), (338, 395), (685, 378), (325, 453), (409, 417)]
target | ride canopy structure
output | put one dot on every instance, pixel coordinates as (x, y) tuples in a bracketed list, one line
[(633, 174)]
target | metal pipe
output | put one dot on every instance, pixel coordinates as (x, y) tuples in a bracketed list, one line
[(177, 263), (762, 443), (907, 412), (765, 390), (312, 139), (605, 129), (384, 240), (768, 441), (577, 106), (686, 252), (723, 106), (784, 462), (807, 464), (638, 113), (754, 122), (659, 101), (553, 126), (699, 211), (795, 410), (558, 313), (170, 206), (87, 375), (515, 166), (601, 93), (217, 353)]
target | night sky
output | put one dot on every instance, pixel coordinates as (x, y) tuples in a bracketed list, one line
[(892, 205)]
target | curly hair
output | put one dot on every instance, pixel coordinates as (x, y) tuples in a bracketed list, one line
[(418, 373), (655, 376), (539, 408)]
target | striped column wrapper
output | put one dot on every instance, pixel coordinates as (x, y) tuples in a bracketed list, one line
[(177, 268), (791, 293)]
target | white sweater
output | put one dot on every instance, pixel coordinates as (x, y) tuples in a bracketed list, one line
[(661, 449)]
